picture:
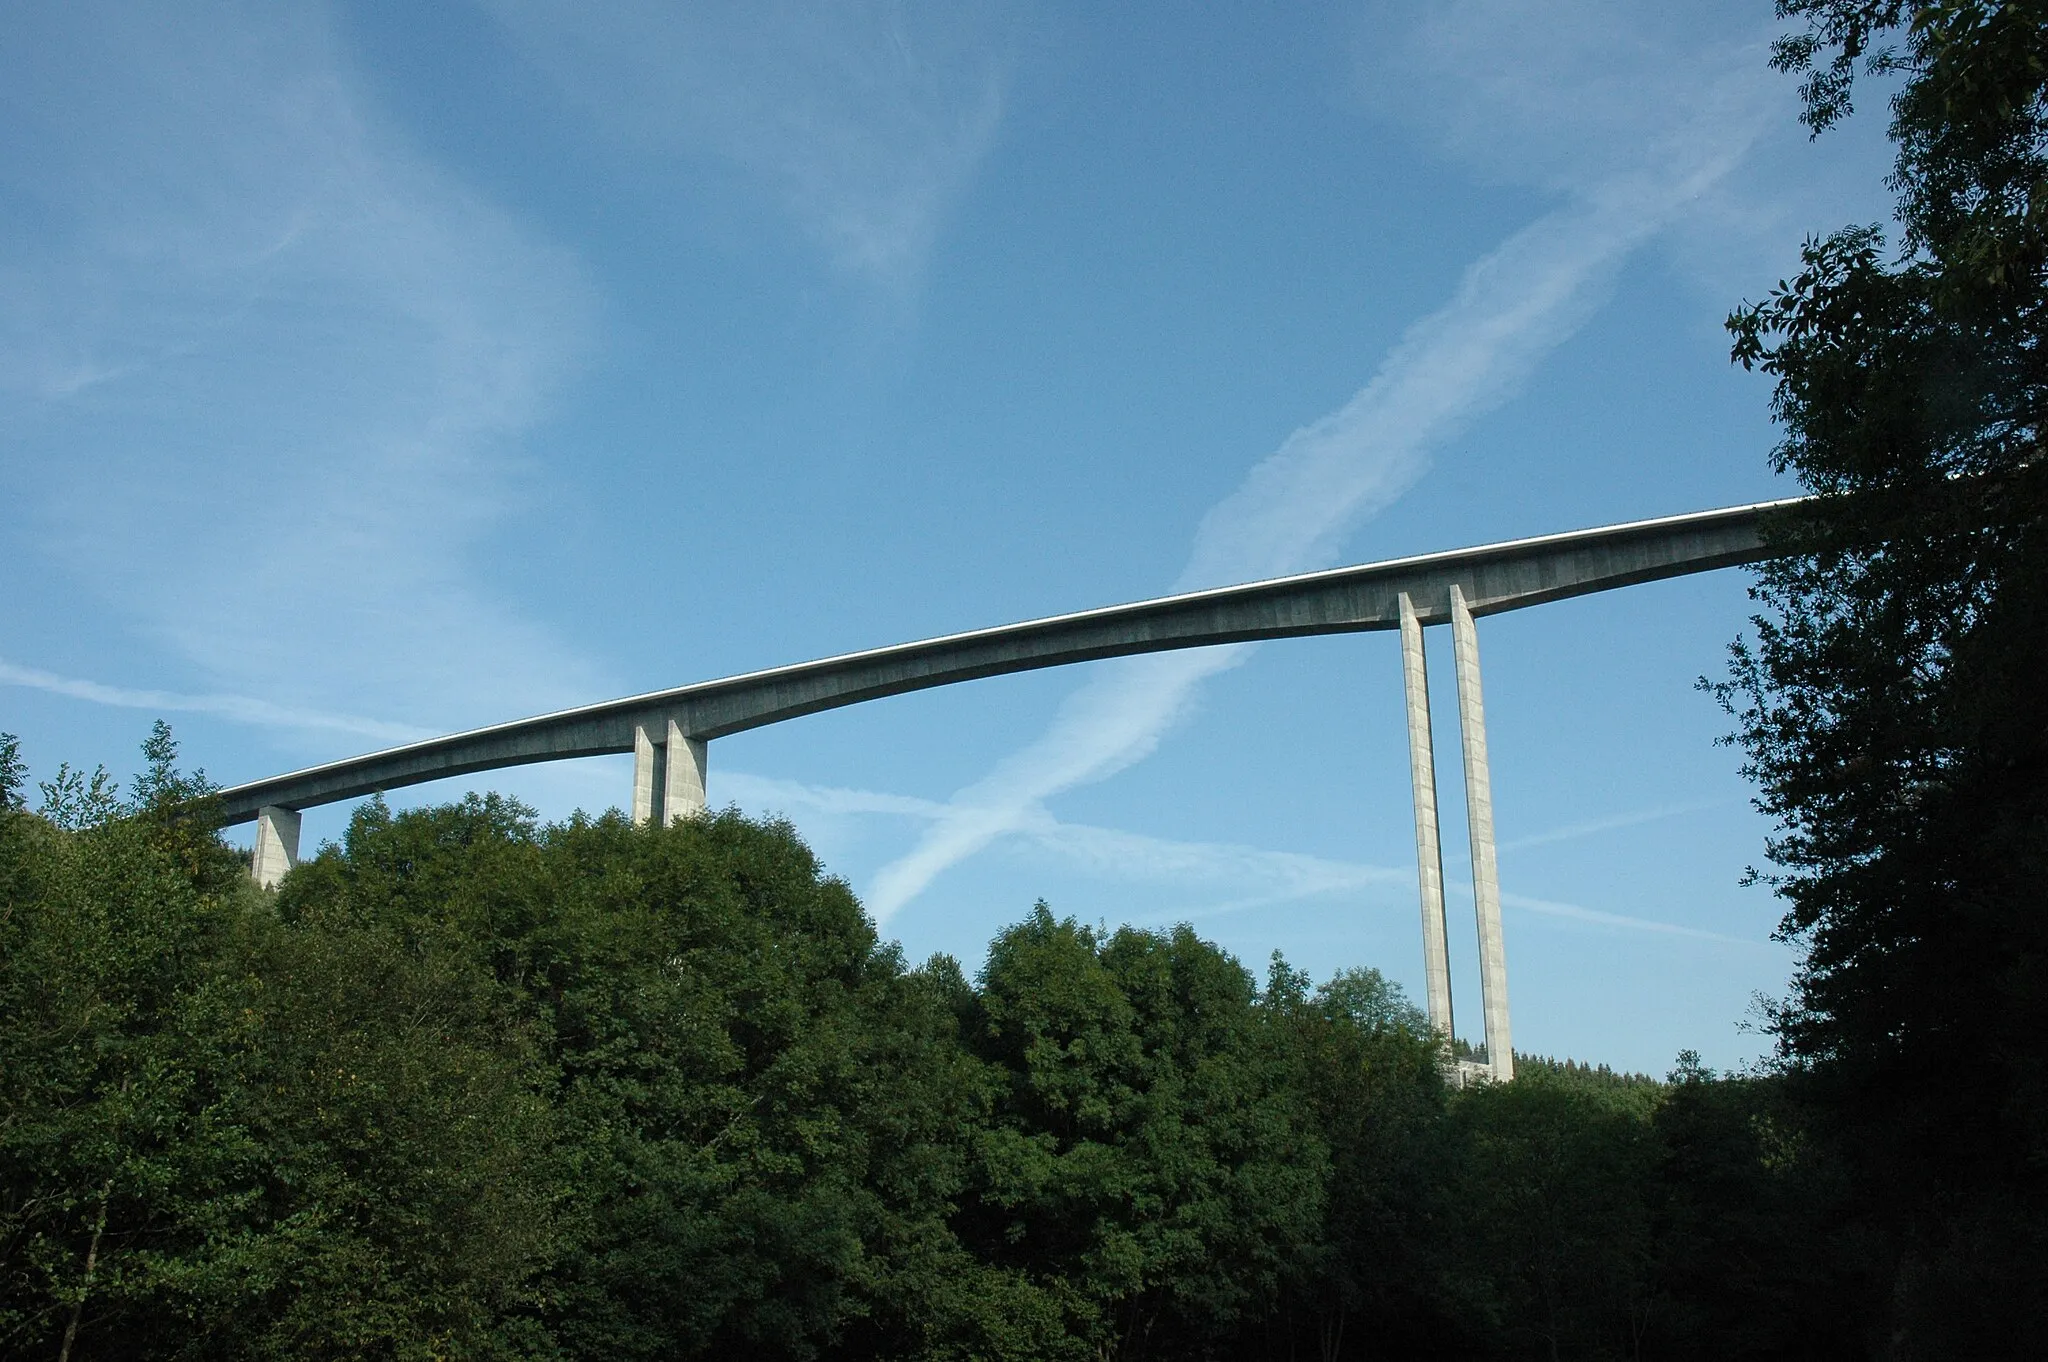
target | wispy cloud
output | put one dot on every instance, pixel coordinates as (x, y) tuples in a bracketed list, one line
[(1622, 921), (1557, 96), (240, 708), (1570, 94), (264, 372), (1248, 877), (864, 119), (1594, 827), (1512, 307), (772, 795), (1108, 853)]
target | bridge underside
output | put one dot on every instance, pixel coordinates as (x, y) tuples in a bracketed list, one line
[(1491, 578)]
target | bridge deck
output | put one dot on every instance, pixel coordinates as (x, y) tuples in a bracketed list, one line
[(1493, 577)]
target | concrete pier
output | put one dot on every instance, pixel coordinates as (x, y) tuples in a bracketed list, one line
[(668, 772), (646, 775), (1493, 964), (1429, 858), (682, 789), (277, 844)]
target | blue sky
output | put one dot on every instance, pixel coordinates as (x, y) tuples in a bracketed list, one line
[(373, 370)]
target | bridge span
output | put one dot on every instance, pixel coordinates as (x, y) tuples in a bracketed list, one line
[(667, 731)]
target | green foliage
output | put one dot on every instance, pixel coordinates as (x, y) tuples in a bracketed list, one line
[(1364, 1065), (1370, 1002), (222, 1133), (714, 1019), (1886, 707), (1753, 1260), (470, 1085), (1592, 1075), (76, 801), (1143, 1155), (1550, 1206), (13, 773)]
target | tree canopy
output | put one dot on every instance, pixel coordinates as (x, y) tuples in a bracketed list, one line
[(1887, 705), (468, 1084)]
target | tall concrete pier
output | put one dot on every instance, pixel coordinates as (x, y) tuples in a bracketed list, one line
[(1429, 865), (1493, 961), (1429, 857)]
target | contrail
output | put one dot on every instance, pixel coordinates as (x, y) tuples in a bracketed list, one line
[(1275, 877), (1511, 309), (1614, 823)]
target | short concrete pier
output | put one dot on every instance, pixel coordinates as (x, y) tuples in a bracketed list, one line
[(277, 845), (668, 772), (682, 789)]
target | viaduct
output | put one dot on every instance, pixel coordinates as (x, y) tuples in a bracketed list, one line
[(668, 731)]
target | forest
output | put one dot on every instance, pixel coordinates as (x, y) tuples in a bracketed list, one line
[(469, 1084)]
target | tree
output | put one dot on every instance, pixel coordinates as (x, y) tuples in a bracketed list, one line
[(103, 941), (1745, 1201), (76, 801), (1888, 707), (13, 773), (471, 1085), (760, 1117), (1550, 1225), (224, 1135), (1364, 1067), (1146, 1158)]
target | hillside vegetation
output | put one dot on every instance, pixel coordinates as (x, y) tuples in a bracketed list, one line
[(471, 1085)]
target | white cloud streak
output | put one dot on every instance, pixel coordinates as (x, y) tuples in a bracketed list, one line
[(1266, 878), (1513, 307), (240, 708), (1594, 827), (1557, 96), (264, 372), (1599, 918)]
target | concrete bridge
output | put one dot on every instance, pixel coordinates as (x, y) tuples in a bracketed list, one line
[(667, 731)]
